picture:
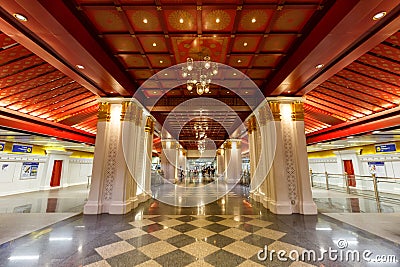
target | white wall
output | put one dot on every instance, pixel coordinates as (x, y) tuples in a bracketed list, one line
[(74, 172)]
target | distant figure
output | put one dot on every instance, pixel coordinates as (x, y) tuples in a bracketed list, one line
[(181, 175)]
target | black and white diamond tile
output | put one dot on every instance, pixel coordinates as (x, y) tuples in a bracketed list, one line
[(193, 240)]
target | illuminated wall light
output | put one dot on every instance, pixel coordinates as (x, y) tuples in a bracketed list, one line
[(20, 17), (286, 112), (115, 114), (379, 15)]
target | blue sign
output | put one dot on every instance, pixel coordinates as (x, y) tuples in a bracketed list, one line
[(385, 148), (21, 148), (29, 170), (2, 145)]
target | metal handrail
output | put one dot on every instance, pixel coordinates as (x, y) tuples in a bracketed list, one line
[(326, 181)]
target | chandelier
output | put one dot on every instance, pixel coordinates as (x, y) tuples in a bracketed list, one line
[(200, 129), (199, 73)]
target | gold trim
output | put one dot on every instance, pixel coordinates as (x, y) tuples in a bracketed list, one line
[(297, 111), (252, 126), (149, 128), (104, 111), (228, 145), (275, 109)]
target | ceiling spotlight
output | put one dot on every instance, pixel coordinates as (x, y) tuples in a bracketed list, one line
[(244, 44), (181, 20), (319, 66), (145, 21), (154, 44), (376, 132), (155, 92), (239, 61), (379, 15), (234, 74), (20, 17), (217, 20), (80, 67), (253, 20), (161, 62), (289, 91)]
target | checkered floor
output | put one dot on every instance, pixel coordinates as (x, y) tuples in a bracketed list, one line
[(190, 240)]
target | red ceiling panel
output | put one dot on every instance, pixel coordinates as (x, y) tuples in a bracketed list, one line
[(160, 61), (218, 20), (371, 82), (26, 75), (292, 20), (69, 98), (185, 47), (144, 20), (255, 20), (133, 60), (120, 43), (338, 104), (6, 41), (81, 117), (246, 44), (380, 63), (58, 112), (45, 80), (181, 20), (106, 19), (258, 73), (266, 60), (278, 42), (373, 72), (387, 99), (57, 94), (326, 106), (13, 53), (13, 94), (153, 43), (240, 61), (141, 74), (387, 51), (20, 65), (368, 101)]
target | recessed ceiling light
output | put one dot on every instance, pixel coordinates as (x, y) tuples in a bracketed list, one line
[(253, 20), (217, 20), (181, 20), (379, 15), (244, 44), (20, 17), (319, 66), (154, 44), (239, 61), (376, 132), (161, 61), (246, 92), (289, 91), (234, 74), (145, 21), (154, 92), (80, 67), (227, 92), (350, 137), (166, 74)]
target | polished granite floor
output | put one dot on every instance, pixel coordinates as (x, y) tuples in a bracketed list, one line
[(227, 232)]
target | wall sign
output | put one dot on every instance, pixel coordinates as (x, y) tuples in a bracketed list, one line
[(377, 168), (385, 148), (29, 170), (2, 145), (21, 148)]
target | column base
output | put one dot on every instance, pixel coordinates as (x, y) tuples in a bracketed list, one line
[(120, 207), (308, 208), (92, 207), (278, 207)]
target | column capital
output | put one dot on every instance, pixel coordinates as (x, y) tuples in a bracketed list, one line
[(275, 107), (297, 111), (104, 111), (252, 124), (127, 111), (149, 128)]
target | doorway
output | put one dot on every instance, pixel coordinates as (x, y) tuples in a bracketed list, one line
[(348, 168), (56, 174)]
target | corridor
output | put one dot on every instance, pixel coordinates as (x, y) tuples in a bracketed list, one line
[(227, 232)]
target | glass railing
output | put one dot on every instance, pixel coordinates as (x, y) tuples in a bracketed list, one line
[(380, 188)]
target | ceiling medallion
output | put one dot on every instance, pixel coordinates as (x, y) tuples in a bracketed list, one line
[(199, 73), (217, 20)]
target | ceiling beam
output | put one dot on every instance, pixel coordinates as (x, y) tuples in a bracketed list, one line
[(29, 124)]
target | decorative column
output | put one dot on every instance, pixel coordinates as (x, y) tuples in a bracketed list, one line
[(113, 189), (169, 159), (220, 161), (287, 188), (149, 131), (233, 160), (182, 159)]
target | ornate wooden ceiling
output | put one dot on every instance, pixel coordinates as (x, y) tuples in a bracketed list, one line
[(122, 43)]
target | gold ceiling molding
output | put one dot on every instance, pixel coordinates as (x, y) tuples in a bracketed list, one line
[(104, 111), (297, 111)]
